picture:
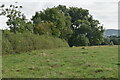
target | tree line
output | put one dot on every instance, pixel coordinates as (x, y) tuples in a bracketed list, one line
[(75, 25), (111, 40)]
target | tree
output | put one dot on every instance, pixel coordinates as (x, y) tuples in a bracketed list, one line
[(106, 41), (83, 23), (72, 24), (95, 33), (115, 41), (47, 28), (64, 9), (79, 40), (62, 23), (78, 13), (37, 18), (17, 21)]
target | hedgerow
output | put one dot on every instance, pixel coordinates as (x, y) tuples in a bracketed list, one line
[(23, 42)]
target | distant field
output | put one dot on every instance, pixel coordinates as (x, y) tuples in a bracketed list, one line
[(79, 62)]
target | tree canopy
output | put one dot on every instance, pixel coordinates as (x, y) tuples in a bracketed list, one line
[(62, 23), (76, 25), (82, 23), (17, 21)]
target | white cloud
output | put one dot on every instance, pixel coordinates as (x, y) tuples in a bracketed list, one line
[(104, 10)]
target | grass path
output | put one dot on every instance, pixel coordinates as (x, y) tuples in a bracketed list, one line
[(80, 62)]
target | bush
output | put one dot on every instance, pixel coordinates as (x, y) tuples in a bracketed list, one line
[(78, 40), (6, 46), (23, 42), (82, 40), (111, 40), (115, 41), (106, 41)]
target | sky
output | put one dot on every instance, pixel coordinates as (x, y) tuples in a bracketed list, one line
[(106, 11)]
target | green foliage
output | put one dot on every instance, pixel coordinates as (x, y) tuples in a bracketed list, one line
[(37, 18), (79, 40), (83, 23), (46, 28), (62, 23), (6, 45), (17, 21), (106, 41), (82, 40), (75, 25), (78, 13), (114, 40), (63, 9), (23, 42), (71, 23)]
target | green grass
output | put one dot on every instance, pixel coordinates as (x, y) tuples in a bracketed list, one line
[(79, 62)]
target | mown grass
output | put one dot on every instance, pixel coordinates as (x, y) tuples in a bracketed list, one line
[(79, 62)]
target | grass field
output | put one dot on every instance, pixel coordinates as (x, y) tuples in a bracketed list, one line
[(79, 62)]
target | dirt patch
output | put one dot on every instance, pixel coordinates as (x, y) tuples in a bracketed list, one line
[(84, 52), (17, 70), (98, 71), (33, 68)]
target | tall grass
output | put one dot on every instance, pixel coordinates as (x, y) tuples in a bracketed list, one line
[(23, 42)]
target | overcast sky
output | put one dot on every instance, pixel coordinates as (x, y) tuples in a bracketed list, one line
[(106, 11)]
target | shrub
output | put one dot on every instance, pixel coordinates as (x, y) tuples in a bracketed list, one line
[(23, 42), (78, 40), (6, 46), (106, 41)]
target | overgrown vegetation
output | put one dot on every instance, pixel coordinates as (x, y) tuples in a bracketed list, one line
[(75, 25), (17, 43)]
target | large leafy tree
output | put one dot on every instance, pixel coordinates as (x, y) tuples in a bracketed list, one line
[(78, 40), (57, 17), (47, 28), (17, 21), (73, 23), (83, 23)]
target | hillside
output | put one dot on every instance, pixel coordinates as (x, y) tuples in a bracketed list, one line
[(110, 32)]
